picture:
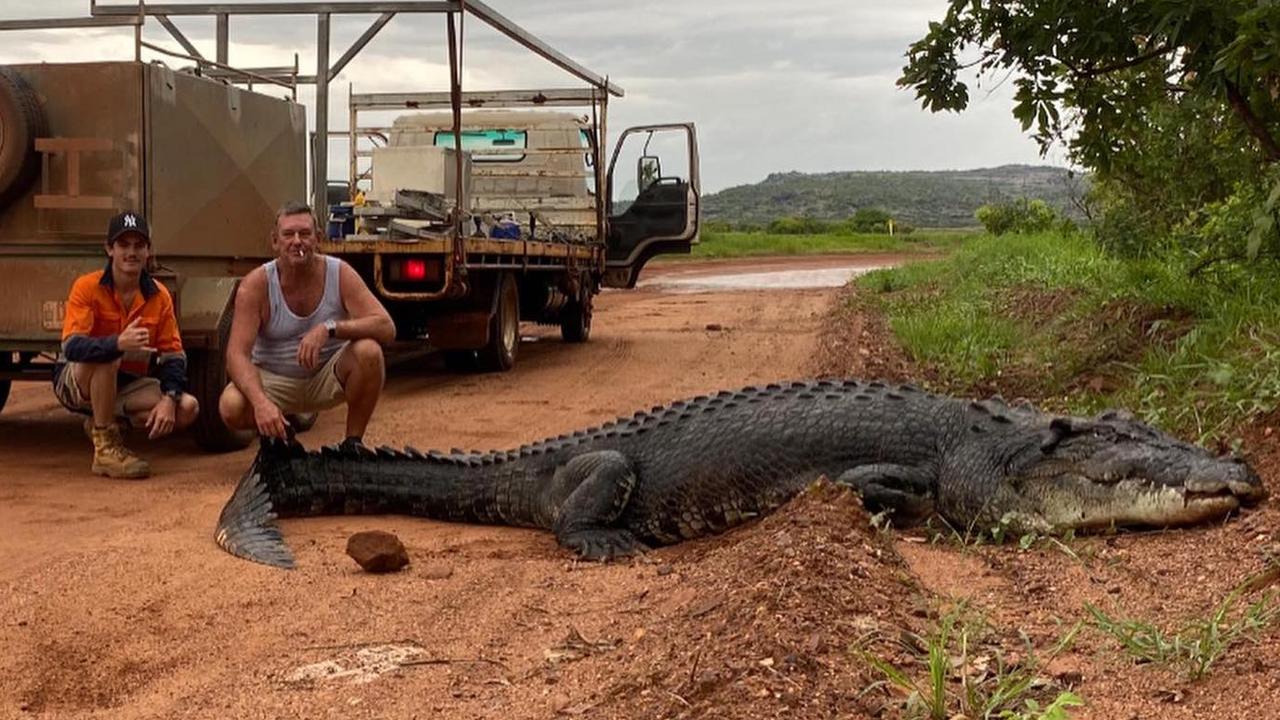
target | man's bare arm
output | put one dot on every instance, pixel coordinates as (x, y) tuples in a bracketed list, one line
[(366, 317), (244, 331)]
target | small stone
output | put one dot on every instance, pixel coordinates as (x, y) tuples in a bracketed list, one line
[(438, 571), (559, 702), (715, 327), (377, 551), (665, 569)]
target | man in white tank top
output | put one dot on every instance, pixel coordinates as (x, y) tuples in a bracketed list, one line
[(307, 335)]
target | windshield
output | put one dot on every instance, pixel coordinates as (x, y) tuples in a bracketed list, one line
[(488, 145)]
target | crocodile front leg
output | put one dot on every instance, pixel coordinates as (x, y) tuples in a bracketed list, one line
[(601, 484), (904, 489)]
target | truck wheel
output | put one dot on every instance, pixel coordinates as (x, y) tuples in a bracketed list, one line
[(207, 376), (575, 319), (207, 373), (499, 354), (21, 122), (6, 361), (460, 361)]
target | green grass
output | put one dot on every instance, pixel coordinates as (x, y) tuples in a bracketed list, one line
[(950, 316), (1209, 359), (1197, 645), (941, 532), (742, 244), (963, 679)]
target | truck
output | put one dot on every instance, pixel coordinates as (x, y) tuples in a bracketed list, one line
[(545, 228), (529, 228)]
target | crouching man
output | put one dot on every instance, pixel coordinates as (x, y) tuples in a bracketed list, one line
[(116, 319), (307, 335)]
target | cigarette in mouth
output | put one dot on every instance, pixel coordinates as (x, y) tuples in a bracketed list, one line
[(298, 252)]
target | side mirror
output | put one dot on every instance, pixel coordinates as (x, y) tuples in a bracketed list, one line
[(648, 170)]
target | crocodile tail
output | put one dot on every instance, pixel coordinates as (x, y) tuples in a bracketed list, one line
[(247, 526)]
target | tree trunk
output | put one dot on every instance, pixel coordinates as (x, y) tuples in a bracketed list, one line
[(1257, 128)]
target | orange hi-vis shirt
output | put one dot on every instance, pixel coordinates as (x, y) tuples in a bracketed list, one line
[(96, 310)]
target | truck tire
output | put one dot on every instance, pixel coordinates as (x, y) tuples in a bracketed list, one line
[(6, 361), (499, 354), (575, 318), (21, 122), (207, 375), (459, 361)]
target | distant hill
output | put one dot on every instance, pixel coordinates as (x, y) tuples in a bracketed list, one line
[(945, 198)]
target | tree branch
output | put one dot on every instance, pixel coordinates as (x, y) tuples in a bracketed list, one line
[(1126, 64), (1211, 260), (1257, 128)]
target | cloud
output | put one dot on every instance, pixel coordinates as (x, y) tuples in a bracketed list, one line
[(772, 86)]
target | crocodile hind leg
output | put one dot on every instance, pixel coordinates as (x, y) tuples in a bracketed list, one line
[(602, 483), (905, 490)]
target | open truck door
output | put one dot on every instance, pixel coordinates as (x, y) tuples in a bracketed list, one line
[(653, 199)]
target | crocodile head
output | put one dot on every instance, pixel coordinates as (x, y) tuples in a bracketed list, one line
[(1114, 471)]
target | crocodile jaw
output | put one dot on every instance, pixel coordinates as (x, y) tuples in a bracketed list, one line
[(1079, 503)]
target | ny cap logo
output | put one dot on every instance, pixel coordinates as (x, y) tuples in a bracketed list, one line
[(130, 221)]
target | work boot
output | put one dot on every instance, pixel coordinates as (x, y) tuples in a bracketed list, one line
[(112, 458), (122, 424)]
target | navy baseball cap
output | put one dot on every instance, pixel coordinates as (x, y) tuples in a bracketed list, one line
[(128, 222)]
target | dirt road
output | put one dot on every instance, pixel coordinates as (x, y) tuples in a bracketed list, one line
[(114, 601)]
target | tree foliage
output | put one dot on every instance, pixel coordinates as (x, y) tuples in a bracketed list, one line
[(870, 220), (798, 226), (1107, 63), (1019, 216), (1173, 103)]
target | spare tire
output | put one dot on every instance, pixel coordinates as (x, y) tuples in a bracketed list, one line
[(21, 122)]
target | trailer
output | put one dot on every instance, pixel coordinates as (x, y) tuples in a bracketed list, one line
[(208, 151)]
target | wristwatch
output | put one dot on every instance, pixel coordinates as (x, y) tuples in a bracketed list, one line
[(332, 327)]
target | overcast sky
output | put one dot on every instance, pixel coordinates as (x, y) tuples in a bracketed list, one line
[(772, 86)]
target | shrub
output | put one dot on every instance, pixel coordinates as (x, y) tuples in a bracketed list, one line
[(798, 226), (1019, 216), (870, 220)]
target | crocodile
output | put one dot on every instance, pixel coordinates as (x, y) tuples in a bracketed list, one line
[(700, 466)]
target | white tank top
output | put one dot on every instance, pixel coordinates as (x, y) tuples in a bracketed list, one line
[(276, 348)]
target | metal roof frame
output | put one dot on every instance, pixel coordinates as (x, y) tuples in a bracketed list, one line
[(134, 15)]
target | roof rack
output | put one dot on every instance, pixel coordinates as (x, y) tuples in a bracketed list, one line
[(136, 15)]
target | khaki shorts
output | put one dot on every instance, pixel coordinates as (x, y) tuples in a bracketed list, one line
[(75, 399), (309, 394)]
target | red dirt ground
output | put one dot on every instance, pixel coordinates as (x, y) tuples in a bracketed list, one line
[(115, 603)]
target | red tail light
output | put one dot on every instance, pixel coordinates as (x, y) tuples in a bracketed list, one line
[(415, 269)]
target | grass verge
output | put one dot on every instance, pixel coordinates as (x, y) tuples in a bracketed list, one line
[(1051, 316), (716, 245)]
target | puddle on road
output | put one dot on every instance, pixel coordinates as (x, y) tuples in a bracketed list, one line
[(774, 280)]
